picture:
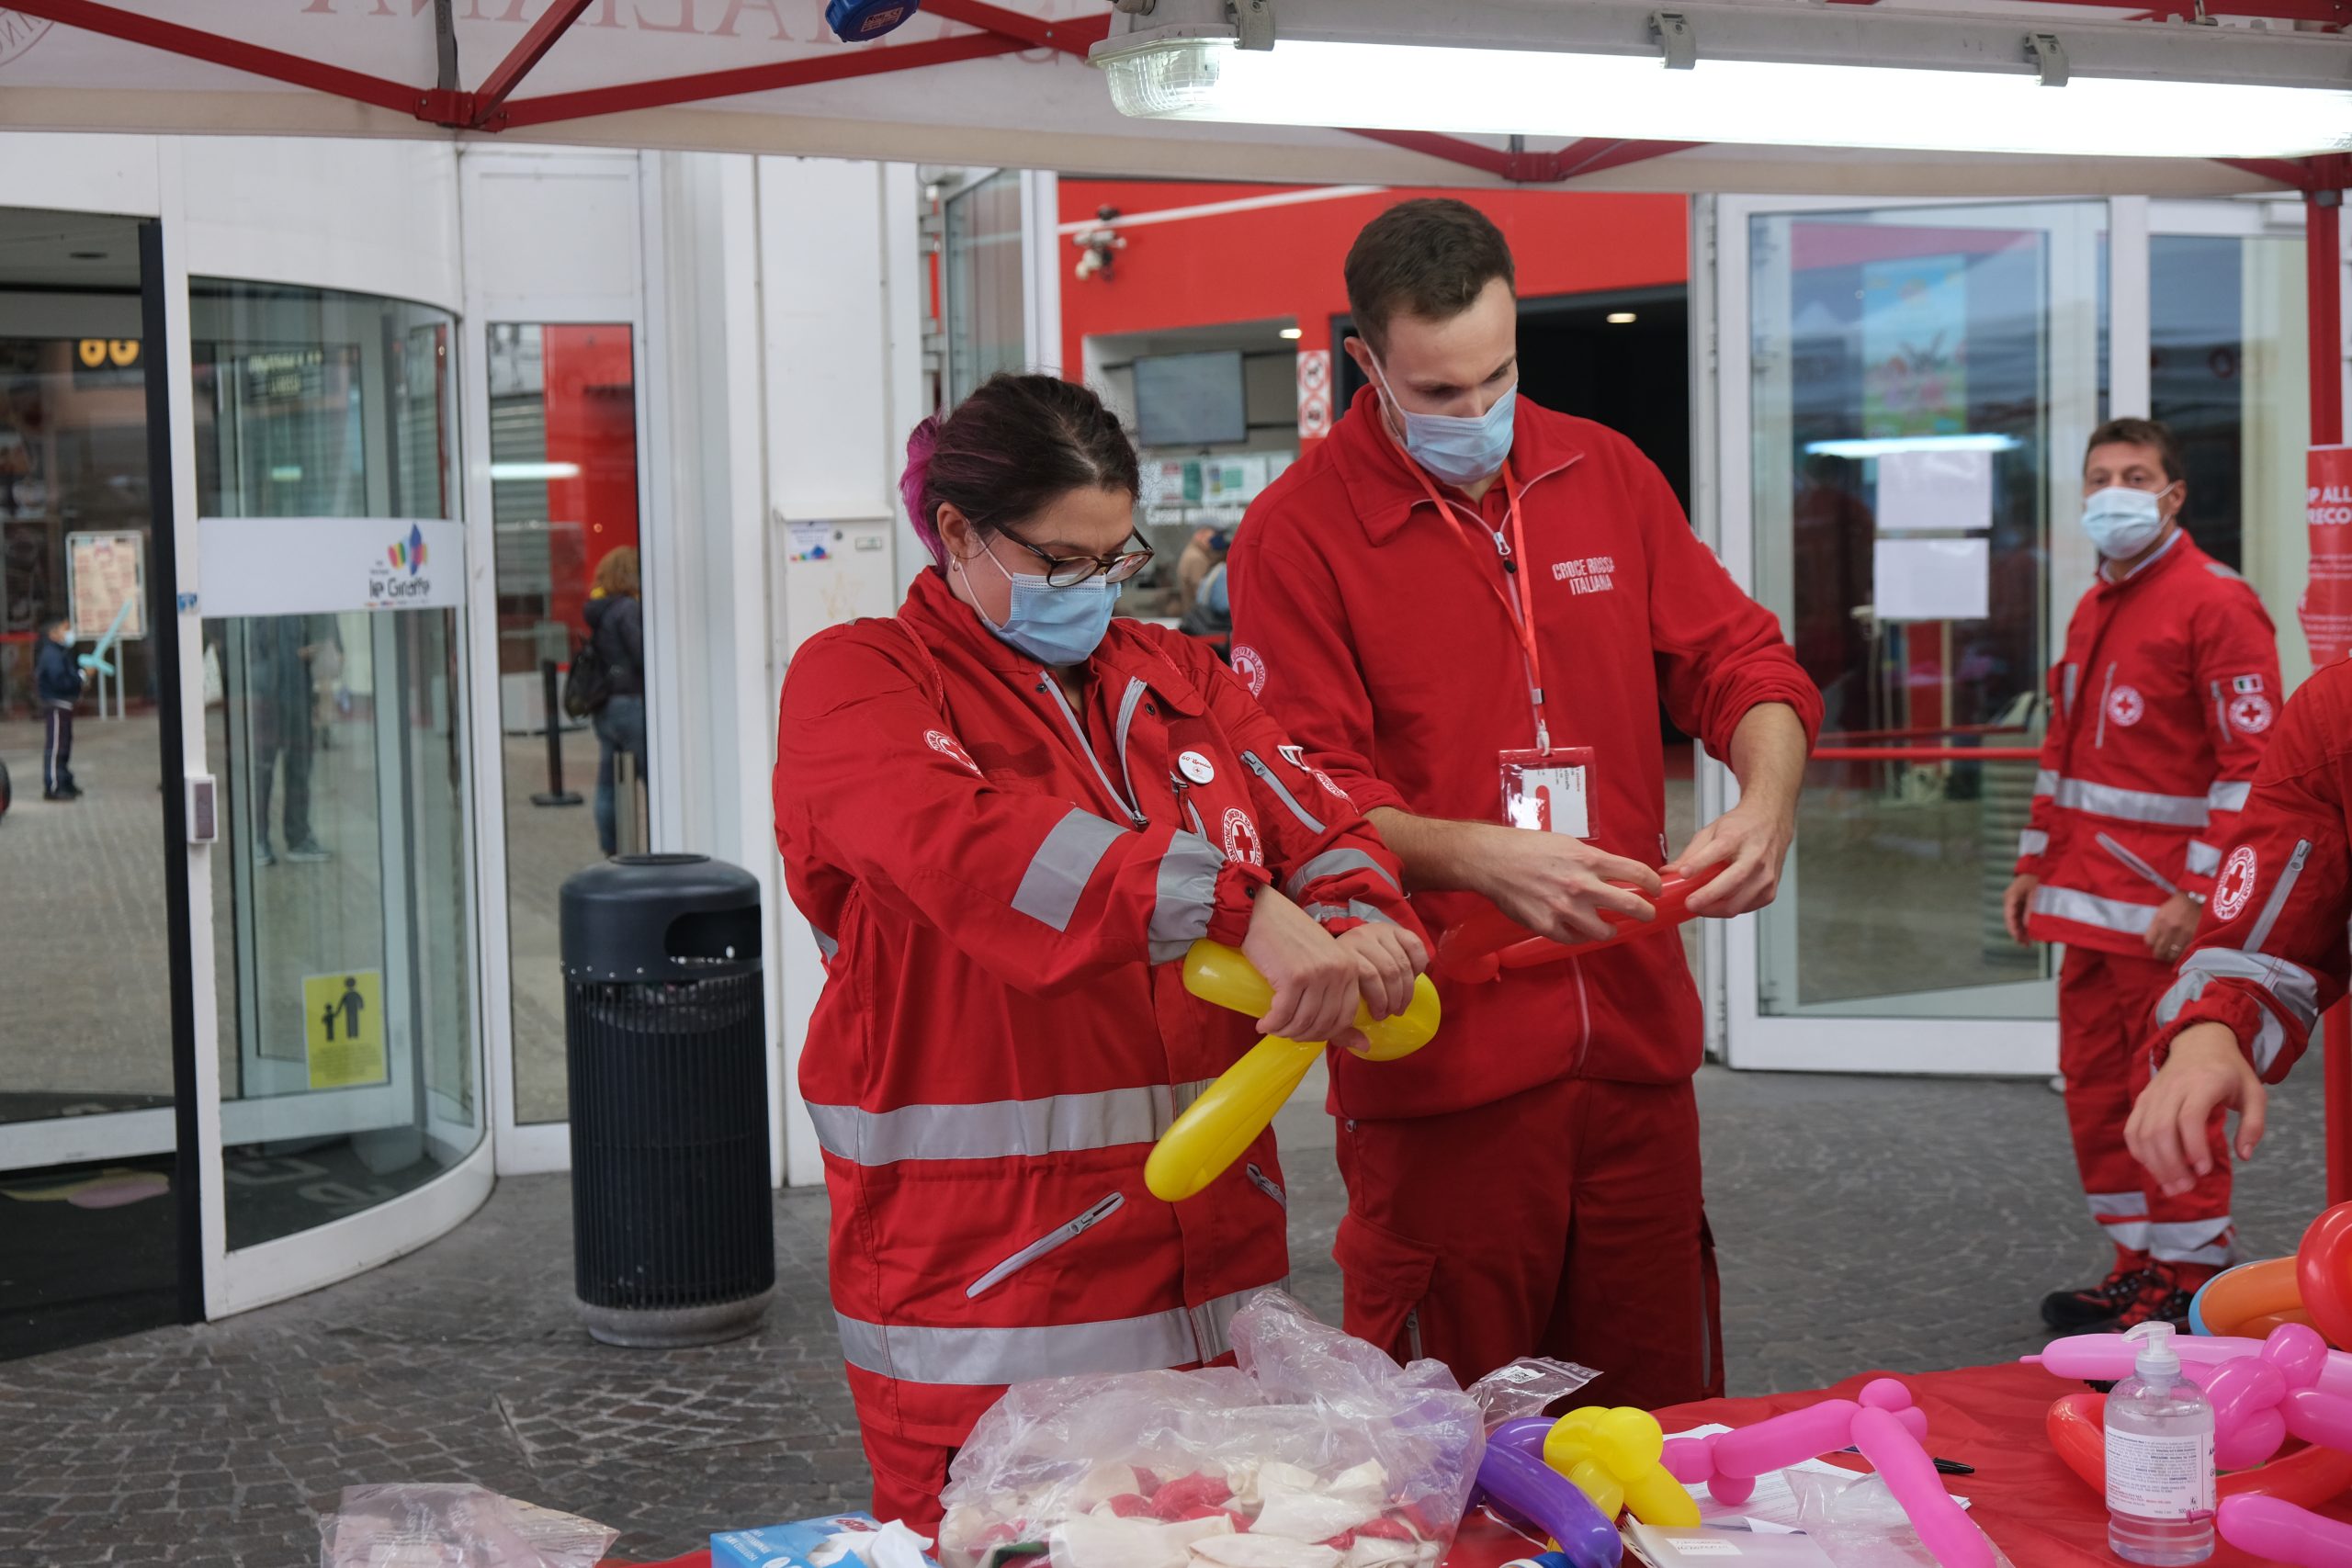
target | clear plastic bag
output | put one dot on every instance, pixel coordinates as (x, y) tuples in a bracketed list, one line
[(1315, 1451), (1528, 1387), (1858, 1524), (453, 1527)]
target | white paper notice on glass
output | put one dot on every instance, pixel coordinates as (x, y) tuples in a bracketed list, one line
[(1930, 579), (1935, 489)]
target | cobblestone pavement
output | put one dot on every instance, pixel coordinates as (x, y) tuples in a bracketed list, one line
[(1904, 1223)]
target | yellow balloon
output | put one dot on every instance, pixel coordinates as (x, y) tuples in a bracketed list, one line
[(1613, 1457), (1214, 1129)]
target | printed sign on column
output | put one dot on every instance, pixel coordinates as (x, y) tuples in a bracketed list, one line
[(2326, 607), (1314, 394)]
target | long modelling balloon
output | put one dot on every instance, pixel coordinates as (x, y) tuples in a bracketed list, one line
[(1526, 1486), (1214, 1129), (1490, 941)]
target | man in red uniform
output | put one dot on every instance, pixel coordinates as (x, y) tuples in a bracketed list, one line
[(2270, 956), (2158, 714), (1461, 593)]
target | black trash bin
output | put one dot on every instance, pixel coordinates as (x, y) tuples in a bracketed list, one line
[(673, 1236)]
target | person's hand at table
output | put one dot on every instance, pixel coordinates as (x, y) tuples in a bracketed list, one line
[(2175, 925), (1315, 978), (2204, 1072)]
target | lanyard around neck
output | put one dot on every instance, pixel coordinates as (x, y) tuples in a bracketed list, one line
[(1512, 553)]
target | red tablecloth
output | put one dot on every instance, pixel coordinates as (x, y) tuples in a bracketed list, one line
[(2037, 1511)]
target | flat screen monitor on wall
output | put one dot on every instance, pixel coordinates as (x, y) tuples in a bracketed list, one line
[(1191, 400)]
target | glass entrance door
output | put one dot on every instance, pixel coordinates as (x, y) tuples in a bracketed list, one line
[(1916, 385)]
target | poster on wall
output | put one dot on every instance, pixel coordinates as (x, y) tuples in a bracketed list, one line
[(106, 585), (1915, 356), (2326, 607)]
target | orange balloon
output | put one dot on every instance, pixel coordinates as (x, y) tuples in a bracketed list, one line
[(2233, 1300), (2260, 1327), (2076, 1425)]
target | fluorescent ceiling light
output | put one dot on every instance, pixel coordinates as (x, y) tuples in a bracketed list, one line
[(1622, 318), (1793, 76), (534, 470), (1293, 333), (1879, 446)]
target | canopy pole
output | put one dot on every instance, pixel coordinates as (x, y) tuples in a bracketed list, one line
[(2323, 280)]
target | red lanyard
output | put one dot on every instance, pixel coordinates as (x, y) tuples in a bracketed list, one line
[(1513, 556)]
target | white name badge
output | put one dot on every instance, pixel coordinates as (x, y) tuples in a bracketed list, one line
[(1549, 792)]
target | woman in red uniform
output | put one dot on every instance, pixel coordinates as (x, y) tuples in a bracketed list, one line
[(1006, 814)]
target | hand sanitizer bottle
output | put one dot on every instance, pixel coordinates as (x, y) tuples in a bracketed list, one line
[(2159, 1459)]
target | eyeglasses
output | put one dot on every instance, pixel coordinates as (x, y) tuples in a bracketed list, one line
[(1069, 572)]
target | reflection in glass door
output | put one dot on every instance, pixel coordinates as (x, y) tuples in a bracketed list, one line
[(1919, 382), (342, 893)]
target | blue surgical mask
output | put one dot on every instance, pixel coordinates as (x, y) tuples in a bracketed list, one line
[(2122, 522), (1460, 450), (1053, 625)]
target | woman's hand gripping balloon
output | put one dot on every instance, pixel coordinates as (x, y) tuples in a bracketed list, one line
[(1387, 957), (1316, 980)]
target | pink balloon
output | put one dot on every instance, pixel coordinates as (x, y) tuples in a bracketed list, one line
[(1729, 1490), (1945, 1528), (1689, 1461), (1779, 1441), (2297, 1352), (2097, 1357), (2251, 1442), (2316, 1417), (2267, 1526), (1885, 1394), (1915, 1421)]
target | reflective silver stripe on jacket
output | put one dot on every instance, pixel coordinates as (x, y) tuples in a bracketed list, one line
[(2292, 986), (1186, 900), (2089, 909), (2229, 796), (2045, 783), (1002, 1129), (2033, 841), (2129, 1234), (1336, 863), (979, 1357), (2132, 805), (1063, 865), (2204, 860), (1355, 908), (2277, 903)]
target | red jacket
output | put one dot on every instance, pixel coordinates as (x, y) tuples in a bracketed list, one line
[(1001, 1038), (2271, 955), (1378, 637), (2158, 714)]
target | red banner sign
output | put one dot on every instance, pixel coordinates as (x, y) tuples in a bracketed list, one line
[(2326, 607)]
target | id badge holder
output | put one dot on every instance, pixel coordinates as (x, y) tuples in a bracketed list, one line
[(1549, 792)]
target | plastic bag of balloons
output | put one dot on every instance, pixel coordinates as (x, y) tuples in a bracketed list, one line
[(1315, 1451)]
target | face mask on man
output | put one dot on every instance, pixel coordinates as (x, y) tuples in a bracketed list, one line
[(1454, 448), (2122, 522), (1052, 625)]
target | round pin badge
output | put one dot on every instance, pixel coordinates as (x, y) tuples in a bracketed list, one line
[(1196, 767)]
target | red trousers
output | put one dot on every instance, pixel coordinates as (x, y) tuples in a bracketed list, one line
[(1565, 1221), (908, 1477), (2105, 1003)]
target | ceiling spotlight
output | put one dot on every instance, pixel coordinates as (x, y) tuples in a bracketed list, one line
[(1293, 333), (1621, 318)]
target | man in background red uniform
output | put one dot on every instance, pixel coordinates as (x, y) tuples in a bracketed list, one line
[(1457, 594), (2158, 713)]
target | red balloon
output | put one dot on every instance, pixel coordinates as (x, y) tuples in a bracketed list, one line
[(2309, 1476), (1490, 941), (2324, 1272)]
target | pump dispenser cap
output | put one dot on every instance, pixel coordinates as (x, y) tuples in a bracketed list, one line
[(2157, 1358)]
